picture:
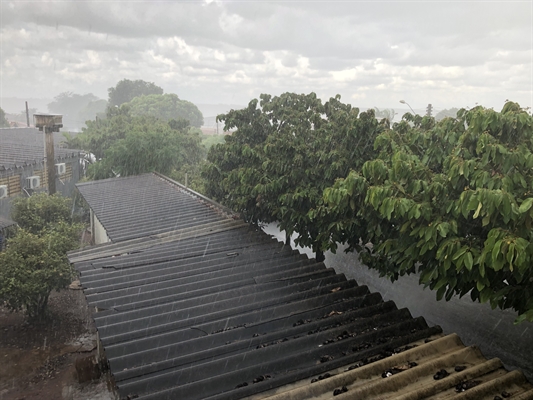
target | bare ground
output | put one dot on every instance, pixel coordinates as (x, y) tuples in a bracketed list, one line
[(37, 361)]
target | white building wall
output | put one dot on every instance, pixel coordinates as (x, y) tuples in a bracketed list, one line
[(99, 232)]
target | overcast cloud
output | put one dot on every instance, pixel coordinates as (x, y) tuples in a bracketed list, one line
[(372, 53)]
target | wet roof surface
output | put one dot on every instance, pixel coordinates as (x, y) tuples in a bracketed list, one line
[(22, 146), (211, 308), (143, 205)]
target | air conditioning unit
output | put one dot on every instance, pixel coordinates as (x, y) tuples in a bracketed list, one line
[(61, 168), (3, 191), (33, 182)]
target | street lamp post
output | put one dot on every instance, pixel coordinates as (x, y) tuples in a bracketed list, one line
[(404, 102)]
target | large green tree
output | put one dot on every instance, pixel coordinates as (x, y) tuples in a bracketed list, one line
[(126, 90), (125, 144), (281, 157), (166, 107), (451, 201)]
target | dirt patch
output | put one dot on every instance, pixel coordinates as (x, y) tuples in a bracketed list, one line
[(37, 361)]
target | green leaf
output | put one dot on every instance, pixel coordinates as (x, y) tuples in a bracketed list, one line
[(478, 209), (460, 252), (443, 229), (496, 250), (440, 293), (469, 261), (442, 282), (526, 205), (485, 293)]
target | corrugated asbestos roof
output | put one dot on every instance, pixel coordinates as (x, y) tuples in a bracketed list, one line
[(22, 146), (213, 309), (143, 205)]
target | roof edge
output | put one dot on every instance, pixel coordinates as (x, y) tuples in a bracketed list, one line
[(196, 194)]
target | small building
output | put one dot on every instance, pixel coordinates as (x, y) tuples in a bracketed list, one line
[(22, 166)]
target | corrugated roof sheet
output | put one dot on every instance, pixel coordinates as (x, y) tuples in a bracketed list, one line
[(143, 205), (26, 146), (213, 309)]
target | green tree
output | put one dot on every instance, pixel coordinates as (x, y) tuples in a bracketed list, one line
[(70, 105), (150, 146), (211, 140), (100, 134), (190, 175), (451, 201), (4, 123), (128, 145), (126, 90), (94, 109), (40, 211), (34, 262), (281, 157), (166, 107)]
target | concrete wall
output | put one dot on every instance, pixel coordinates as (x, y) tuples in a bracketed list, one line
[(493, 331)]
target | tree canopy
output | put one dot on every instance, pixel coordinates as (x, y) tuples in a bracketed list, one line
[(451, 201), (283, 154), (166, 107), (34, 262), (126, 90), (40, 211), (94, 109), (70, 105), (125, 144)]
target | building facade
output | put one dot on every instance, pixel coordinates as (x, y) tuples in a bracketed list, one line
[(23, 169)]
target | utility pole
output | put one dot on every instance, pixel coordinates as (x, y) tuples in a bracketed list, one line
[(49, 123)]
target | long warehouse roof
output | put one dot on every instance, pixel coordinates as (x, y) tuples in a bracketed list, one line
[(192, 303)]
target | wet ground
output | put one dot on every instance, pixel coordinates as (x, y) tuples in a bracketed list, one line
[(493, 331), (38, 360)]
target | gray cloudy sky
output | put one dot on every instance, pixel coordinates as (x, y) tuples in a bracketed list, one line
[(372, 53)]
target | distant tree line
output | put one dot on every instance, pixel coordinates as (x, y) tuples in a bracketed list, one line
[(146, 98), (451, 200)]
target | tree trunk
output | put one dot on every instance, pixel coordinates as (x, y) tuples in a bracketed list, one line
[(320, 257)]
